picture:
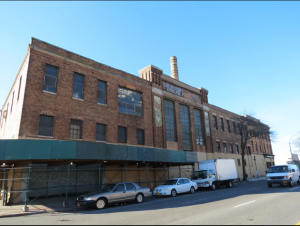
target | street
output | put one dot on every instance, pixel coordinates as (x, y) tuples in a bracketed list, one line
[(244, 204)]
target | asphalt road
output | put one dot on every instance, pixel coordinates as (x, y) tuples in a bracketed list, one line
[(247, 203)]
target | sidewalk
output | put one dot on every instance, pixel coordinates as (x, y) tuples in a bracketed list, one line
[(256, 179), (40, 205)]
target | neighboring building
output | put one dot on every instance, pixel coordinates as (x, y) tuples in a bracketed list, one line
[(67, 109)]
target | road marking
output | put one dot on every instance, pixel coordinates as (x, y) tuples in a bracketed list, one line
[(193, 201), (293, 189), (244, 204)]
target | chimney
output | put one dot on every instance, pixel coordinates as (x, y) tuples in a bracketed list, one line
[(174, 69)]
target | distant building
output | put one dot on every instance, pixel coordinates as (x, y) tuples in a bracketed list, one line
[(65, 110)]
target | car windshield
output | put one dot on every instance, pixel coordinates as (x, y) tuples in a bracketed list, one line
[(279, 169), (200, 174), (108, 187), (170, 182)]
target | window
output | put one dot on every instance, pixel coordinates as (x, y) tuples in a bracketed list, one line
[(185, 127), (265, 149), (245, 162), (256, 147), (249, 150), (130, 102), (76, 129), (260, 148), (225, 147), (122, 134), (100, 132), (120, 187), (78, 86), (239, 162), (222, 124), (170, 121), (234, 127), (46, 126), (231, 148), (140, 136), (101, 93), (228, 126), (218, 147), (252, 146), (186, 181), (198, 126), (238, 128), (12, 101), (50, 80), (130, 187), (20, 82), (237, 149), (215, 122)]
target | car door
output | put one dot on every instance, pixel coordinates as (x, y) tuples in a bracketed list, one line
[(119, 193), (131, 191), (180, 186), (187, 185)]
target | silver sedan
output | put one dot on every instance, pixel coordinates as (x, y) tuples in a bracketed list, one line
[(114, 193)]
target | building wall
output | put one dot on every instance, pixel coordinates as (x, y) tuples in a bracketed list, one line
[(9, 126)]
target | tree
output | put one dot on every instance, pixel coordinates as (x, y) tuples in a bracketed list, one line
[(248, 128)]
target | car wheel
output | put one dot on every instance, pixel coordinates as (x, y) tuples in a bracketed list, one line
[(291, 183), (101, 204), (270, 185), (229, 184), (173, 193), (139, 198), (192, 190), (213, 186)]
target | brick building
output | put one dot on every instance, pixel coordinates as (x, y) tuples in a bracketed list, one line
[(59, 96)]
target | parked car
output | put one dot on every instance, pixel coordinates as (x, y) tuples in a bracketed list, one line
[(175, 186), (114, 193), (283, 175)]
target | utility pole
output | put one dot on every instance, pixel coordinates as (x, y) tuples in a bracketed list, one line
[(254, 158)]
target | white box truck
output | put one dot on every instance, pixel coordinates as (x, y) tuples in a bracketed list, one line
[(216, 172)]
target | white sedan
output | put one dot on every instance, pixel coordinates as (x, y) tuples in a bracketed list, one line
[(175, 186)]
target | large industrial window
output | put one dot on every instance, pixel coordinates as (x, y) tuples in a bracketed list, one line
[(198, 126), (231, 148), (140, 136), (101, 93), (234, 127), (46, 126), (78, 86), (185, 127), (238, 128), (76, 129), (50, 79), (170, 121), (130, 102), (122, 134), (100, 132), (225, 147), (20, 83), (222, 124), (228, 126), (237, 149), (218, 147), (215, 122)]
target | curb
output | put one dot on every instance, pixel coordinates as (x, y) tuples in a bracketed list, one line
[(21, 214)]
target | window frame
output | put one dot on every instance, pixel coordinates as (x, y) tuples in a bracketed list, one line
[(125, 136), (56, 78), (185, 122), (105, 91), (143, 136), (52, 126), (228, 126), (198, 127), (222, 124), (170, 123), (218, 145), (97, 133), (77, 122), (73, 93), (215, 122), (135, 105)]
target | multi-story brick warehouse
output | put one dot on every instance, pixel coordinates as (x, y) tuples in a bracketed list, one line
[(67, 109)]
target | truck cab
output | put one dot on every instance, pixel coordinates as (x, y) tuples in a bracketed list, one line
[(204, 178)]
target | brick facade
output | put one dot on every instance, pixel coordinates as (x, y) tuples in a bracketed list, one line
[(154, 86)]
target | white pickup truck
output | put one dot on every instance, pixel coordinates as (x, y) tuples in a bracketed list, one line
[(216, 172)]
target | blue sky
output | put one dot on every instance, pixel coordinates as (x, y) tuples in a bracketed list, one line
[(246, 53)]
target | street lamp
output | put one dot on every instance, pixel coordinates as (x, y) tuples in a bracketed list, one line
[(254, 158)]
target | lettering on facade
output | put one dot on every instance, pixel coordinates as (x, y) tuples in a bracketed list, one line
[(207, 124), (173, 89), (46, 113), (157, 111)]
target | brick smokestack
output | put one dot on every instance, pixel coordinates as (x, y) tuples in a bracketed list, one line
[(174, 68)]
